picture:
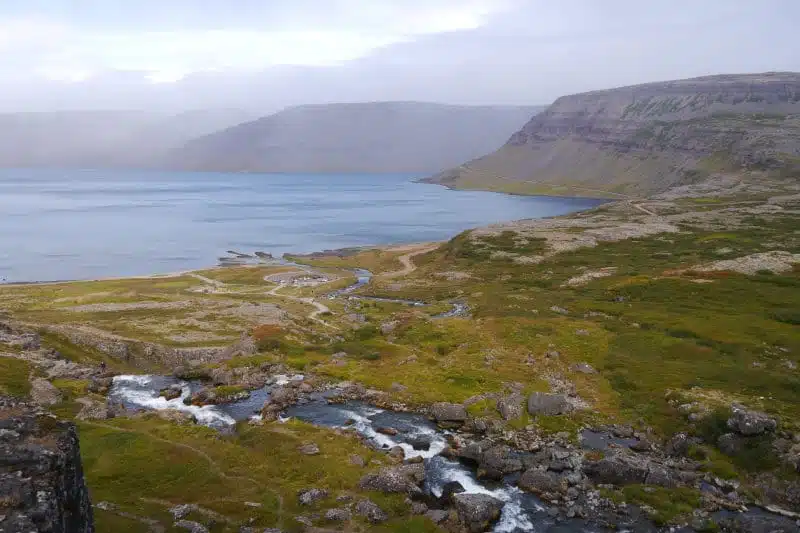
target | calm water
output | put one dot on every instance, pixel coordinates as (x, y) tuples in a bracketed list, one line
[(81, 224)]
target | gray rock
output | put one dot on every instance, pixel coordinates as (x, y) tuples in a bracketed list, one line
[(42, 487), (370, 510), (309, 448), (437, 516), (748, 423), (44, 393), (678, 445), (624, 469), (398, 479), (541, 403), (731, 444), (498, 461), (337, 515), (559, 310), (180, 512), (312, 495), (477, 512), (540, 482), (192, 527), (510, 407), (449, 412), (357, 460), (584, 368)]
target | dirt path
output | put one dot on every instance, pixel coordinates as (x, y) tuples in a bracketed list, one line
[(318, 307), (216, 283), (643, 209), (408, 265)]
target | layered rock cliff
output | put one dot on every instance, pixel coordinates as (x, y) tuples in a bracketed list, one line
[(42, 488), (645, 138)]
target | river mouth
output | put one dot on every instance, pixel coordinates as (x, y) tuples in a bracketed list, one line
[(414, 433)]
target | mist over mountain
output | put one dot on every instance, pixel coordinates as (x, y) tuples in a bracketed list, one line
[(363, 137)]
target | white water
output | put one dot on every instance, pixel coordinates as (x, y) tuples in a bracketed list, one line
[(137, 390)]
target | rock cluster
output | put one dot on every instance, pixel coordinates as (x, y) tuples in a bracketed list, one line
[(42, 487)]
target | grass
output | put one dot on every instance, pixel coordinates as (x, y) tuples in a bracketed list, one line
[(14, 377), (197, 465)]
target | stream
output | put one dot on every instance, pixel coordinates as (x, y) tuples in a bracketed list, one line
[(418, 437)]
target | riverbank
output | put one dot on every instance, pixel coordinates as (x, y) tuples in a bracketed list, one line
[(635, 320)]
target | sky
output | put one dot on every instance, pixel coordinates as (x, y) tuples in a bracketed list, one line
[(262, 55)]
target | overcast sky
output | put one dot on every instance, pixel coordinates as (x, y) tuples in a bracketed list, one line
[(266, 54)]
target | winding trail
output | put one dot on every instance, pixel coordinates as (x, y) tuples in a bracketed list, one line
[(643, 209), (408, 264), (314, 315)]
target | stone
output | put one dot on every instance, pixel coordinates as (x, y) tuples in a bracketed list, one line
[(626, 469), (42, 487), (370, 510), (678, 445), (311, 495), (357, 460), (542, 403), (337, 515), (498, 461), (449, 412), (541, 482), (398, 479), (510, 407), (181, 418), (387, 431), (309, 448), (437, 516), (100, 385), (584, 368), (731, 444), (397, 453), (477, 512), (44, 393), (559, 310), (420, 443), (192, 527), (749, 423)]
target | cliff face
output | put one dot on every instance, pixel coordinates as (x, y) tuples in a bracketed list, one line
[(373, 137), (646, 138), (42, 487)]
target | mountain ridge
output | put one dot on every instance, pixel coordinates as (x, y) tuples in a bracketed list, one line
[(363, 137), (643, 139)]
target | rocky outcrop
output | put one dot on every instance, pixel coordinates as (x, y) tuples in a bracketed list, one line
[(399, 479), (477, 512), (645, 138), (750, 423), (449, 413), (41, 476), (541, 403)]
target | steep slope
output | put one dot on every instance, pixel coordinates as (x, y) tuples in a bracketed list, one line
[(103, 138), (645, 138), (360, 137)]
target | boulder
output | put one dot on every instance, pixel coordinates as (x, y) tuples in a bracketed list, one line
[(437, 516), (100, 385), (542, 403), (731, 444), (498, 461), (584, 368), (625, 469), (309, 448), (192, 527), (370, 510), (449, 412), (44, 393), (398, 479), (540, 482), (750, 423), (510, 407), (311, 495), (420, 442), (337, 515), (477, 512)]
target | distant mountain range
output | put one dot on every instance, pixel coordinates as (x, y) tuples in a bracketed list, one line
[(361, 137), (646, 138)]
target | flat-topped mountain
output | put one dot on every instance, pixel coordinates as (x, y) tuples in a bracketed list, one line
[(645, 138), (358, 137)]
